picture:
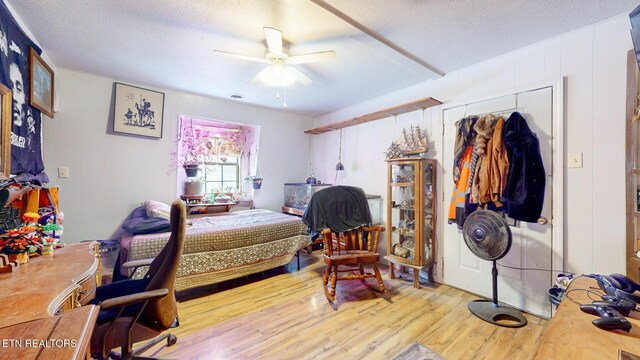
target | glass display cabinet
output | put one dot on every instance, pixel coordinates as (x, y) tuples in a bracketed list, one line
[(411, 214)]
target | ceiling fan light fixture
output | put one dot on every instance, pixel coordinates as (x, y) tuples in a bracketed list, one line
[(277, 76), (282, 71)]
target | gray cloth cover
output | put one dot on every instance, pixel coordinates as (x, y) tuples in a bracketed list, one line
[(339, 208)]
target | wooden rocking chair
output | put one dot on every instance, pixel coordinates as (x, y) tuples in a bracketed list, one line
[(352, 249)]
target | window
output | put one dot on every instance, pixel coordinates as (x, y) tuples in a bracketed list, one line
[(221, 176), (225, 153)]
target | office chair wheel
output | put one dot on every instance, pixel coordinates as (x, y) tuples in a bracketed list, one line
[(171, 340)]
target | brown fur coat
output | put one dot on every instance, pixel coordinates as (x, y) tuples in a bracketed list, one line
[(491, 176), (484, 128)]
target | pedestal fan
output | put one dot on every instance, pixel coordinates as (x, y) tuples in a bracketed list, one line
[(488, 236)]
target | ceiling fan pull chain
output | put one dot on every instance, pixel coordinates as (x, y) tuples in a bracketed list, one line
[(285, 97)]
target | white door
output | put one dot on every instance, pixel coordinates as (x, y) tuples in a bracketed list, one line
[(532, 246)]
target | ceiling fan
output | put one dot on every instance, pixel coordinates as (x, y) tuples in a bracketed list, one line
[(281, 72)]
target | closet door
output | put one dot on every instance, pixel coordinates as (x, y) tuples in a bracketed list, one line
[(532, 242)]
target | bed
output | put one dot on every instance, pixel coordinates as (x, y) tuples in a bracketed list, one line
[(224, 247)]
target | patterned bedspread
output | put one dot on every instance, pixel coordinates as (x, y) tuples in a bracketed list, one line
[(219, 232)]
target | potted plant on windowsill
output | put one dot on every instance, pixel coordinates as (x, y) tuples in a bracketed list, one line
[(256, 181), (191, 169), (189, 161), (190, 157)]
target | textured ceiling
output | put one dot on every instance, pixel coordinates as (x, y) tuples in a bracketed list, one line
[(451, 34), (169, 43)]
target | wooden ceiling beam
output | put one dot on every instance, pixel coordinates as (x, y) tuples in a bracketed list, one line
[(381, 114)]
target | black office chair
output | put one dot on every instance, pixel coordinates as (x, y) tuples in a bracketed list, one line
[(135, 310)]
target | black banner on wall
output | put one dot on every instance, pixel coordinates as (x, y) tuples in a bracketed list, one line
[(26, 154)]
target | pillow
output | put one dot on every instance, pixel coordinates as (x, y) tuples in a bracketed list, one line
[(138, 226), (157, 209), (138, 213)]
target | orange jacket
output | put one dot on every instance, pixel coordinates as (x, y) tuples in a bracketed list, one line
[(460, 189)]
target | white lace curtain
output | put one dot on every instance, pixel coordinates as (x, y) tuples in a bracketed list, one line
[(211, 141)]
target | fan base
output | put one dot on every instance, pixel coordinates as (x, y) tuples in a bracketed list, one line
[(497, 314)]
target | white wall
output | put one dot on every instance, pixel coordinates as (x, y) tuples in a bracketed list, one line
[(44, 55), (593, 60), (112, 174)]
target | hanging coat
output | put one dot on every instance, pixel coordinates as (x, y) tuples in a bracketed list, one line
[(524, 193), (464, 137), (457, 207), (492, 177), (499, 164), (484, 128)]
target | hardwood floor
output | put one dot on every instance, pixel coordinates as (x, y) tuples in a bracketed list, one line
[(286, 316)]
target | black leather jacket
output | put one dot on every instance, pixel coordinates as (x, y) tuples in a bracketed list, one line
[(524, 193)]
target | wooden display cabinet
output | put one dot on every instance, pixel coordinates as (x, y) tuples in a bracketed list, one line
[(411, 214), (632, 165)]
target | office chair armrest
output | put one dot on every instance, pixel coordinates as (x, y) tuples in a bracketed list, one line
[(135, 264), (121, 303), (127, 300)]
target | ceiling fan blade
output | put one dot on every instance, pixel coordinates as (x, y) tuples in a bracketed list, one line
[(313, 57), (274, 40), (240, 56), (299, 75)]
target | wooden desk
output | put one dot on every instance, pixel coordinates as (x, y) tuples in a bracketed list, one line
[(571, 335), (66, 336), (50, 284)]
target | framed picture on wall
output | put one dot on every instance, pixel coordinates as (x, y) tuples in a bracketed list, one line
[(41, 84), (6, 121), (138, 111)]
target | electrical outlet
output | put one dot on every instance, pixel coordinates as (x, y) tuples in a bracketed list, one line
[(63, 172), (574, 160)]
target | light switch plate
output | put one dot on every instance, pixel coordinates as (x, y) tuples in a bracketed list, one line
[(63, 172), (574, 160)]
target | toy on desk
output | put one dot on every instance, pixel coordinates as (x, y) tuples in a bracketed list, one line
[(31, 239), (34, 233)]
